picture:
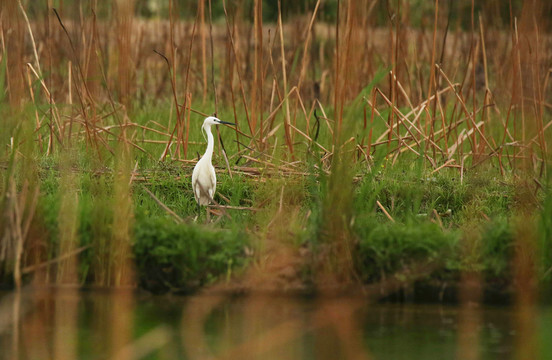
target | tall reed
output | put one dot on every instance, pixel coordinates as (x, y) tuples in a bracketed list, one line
[(462, 94)]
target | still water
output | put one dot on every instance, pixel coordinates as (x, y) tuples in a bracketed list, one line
[(71, 324)]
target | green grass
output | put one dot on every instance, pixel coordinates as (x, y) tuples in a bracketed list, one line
[(472, 230), (184, 257), (462, 222)]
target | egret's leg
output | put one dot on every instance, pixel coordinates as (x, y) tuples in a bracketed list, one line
[(198, 212), (208, 219)]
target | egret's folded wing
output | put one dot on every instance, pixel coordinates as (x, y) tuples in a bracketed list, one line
[(213, 181)]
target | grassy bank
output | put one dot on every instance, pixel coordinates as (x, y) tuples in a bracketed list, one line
[(406, 223), (363, 157)]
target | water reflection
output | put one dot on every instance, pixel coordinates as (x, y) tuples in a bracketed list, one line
[(72, 324)]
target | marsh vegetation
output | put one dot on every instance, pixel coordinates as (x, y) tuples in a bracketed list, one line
[(393, 149), (353, 159)]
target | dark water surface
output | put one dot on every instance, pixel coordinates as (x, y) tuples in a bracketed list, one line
[(71, 324)]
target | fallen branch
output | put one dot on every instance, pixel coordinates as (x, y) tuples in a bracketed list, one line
[(165, 207), (385, 211), (32, 268)]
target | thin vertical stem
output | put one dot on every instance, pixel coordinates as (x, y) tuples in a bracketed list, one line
[(212, 58), (287, 116)]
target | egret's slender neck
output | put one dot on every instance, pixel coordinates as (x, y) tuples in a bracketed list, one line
[(210, 142)]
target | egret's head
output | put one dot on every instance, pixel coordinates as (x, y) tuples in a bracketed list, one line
[(211, 120)]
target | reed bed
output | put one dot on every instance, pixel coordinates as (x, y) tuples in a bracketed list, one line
[(105, 104), (392, 150)]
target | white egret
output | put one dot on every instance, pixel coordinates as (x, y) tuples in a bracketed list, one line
[(204, 179)]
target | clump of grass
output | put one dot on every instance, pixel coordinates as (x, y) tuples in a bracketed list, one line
[(545, 238), (434, 218), (183, 257), (387, 248)]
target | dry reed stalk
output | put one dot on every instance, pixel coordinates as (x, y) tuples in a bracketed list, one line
[(19, 212), (385, 211), (179, 138), (175, 98), (308, 138), (461, 138), (484, 52), (446, 164), (518, 92), (114, 137), (443, 124), (538, 100), (281, 168), (402, 118), (37, 120), (421, 107), (273, 159), (474, 52), (275, 88), (172, 72), (337, 68), (233, 98), (302, 106), (94, 63), (212, 59), (33, 42), (393, 55), (287, 117), (121, 267), (373, 105), (336, 208), (307, 36), (470, 116), (269, 129), (186, 140), (68, 221), (88, 108), (234, 50), (69, 86), (272, 132), (49, 98), (223, 150), (346, 66), (96, 68), (257, 79), (201, 14), (177, 218), (124, 21), (32, 268), (13, 50), (401, 89), (430, 119), (325, 117)]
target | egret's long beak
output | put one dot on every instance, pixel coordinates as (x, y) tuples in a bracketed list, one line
[(226, 123)]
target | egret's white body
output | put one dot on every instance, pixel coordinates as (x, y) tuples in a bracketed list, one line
[(204, 178)]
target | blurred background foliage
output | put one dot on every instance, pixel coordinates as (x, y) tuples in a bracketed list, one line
[(415, 13)]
